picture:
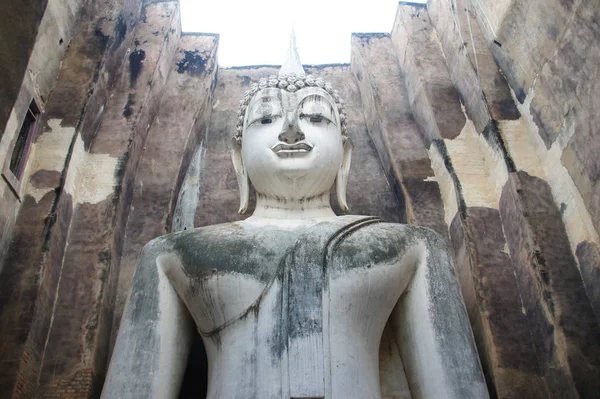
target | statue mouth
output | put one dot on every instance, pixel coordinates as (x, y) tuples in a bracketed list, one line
[(299, 148)]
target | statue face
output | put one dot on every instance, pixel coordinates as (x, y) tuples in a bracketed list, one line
[(292, 147)]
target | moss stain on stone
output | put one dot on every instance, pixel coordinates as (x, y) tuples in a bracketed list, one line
[(193, 63), (136, 62), (492, 135), (119, 32), (441, 146), (128, 109)]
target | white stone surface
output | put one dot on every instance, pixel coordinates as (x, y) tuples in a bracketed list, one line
[(531, 155), (91, 177), (391, 370), (480, 169), (189, 195), (300, 314), (446, 184), (48, 153)]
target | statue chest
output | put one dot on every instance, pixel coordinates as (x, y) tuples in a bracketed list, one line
[(297, 334), (297, 320), (299, 294)]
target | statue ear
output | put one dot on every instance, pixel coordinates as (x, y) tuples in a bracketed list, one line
[(342, 175), (241, 174)]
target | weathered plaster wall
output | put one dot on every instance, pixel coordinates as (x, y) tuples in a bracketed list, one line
[(474, 118), (78, 341), (548, 52), (394, 131), (516, 240), (35, 35), (50, 268), (178, 129), (20, 21)]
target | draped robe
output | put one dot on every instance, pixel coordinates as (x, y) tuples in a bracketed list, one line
[(295, 313)]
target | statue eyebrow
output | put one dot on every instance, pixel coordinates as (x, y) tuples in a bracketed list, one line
[(261, 103), (268, 93), (320, 101), (317, 99)]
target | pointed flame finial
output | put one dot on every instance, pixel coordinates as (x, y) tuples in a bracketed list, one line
[(292, 64)]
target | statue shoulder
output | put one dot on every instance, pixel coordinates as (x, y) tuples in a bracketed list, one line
[(393, 232), (414, 232), (384, 242), (186, 239), (229, 248)]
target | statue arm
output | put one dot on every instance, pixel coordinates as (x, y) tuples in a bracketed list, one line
[(432, 328), (153, 343)]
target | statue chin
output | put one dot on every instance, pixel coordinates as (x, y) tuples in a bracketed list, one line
[(292, 176), (293, 183)]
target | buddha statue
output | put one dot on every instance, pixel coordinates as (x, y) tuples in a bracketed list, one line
[(292, 301)]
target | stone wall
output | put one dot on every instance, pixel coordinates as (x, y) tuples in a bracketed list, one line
[(532, 304), (36, 34), (60, 276), (473, 118)]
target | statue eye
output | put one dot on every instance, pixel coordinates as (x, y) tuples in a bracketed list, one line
[(314, 118), (266, 121)]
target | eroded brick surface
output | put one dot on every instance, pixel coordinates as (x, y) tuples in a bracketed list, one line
[(563, 324), (492, 295)]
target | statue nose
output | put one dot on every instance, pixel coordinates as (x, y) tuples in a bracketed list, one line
[(291, 132)]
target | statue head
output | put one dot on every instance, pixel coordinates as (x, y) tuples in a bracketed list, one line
[(291, 141)]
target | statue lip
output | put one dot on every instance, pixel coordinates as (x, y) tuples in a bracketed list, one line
[(301, 147)]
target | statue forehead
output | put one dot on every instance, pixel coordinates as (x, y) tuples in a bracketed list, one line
[(287, 99), (287, 93)]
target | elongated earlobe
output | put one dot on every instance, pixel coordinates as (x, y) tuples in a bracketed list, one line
[(241, 174), (342, 175)]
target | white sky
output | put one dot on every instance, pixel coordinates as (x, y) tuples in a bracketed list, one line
[(255, 32)]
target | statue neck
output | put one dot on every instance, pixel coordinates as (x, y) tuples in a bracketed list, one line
[(291, 212)]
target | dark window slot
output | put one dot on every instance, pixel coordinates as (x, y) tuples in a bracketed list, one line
[(23, 143)]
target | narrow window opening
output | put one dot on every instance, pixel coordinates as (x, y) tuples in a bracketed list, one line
[(21, 149)]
